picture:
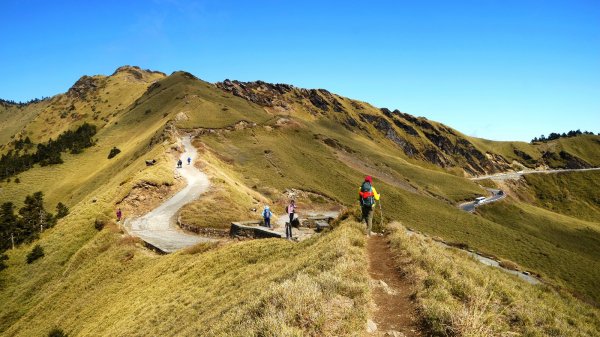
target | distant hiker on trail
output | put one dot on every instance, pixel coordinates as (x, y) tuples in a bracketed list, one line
[(267, 214), (119, 214), (367, 195), (291, 210), (189, 160), (179, 163)]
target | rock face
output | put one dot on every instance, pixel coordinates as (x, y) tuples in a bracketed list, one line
[(386, 128), (259, 92), (136, 71), (83, 87), (317, 101)]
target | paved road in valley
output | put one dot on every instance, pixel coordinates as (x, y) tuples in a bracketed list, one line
[(496, 195)]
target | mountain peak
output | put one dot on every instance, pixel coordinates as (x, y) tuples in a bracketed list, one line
[(136, 71)]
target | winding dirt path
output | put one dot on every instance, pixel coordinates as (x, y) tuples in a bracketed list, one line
[(394, 313), (158, 227)]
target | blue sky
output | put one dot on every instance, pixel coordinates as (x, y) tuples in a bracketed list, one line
[(502, 70)]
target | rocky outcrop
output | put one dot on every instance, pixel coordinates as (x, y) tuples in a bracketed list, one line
[(526, 159), (136, 72), (384, 126), (85, 86), (476, 161), (259, 92), (317, 101), (564, 160)]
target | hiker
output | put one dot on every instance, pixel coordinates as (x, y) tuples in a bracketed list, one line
[(119, 214), (291, 210), (267, 214), (189, 160), (367, 195), (179, 163)]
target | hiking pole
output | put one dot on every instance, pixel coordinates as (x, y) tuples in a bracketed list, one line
[(381, 212)]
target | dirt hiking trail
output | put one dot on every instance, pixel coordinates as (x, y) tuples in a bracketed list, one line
[(158, 227), (394, 313)]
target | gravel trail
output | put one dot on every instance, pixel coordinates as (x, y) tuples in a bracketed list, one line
[(159, 227)]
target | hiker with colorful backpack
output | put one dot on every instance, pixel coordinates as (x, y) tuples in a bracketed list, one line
[(367, 195), (267, 214)]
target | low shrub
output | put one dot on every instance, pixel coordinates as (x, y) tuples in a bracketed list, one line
[(36, 253), (57, 332), (113, 152), (99, 224)]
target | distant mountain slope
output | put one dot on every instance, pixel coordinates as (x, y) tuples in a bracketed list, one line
[(418, 137), (263, 143)]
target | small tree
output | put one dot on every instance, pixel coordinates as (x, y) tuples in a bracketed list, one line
[(61, 210), (57, 332), (33, 215), (35, 254), (2, 264)]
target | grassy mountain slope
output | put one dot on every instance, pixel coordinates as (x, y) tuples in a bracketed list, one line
[(259, 141), (13, 118), (283, 155), (271, 287), (564, 248), (574, 194), (457, 296)]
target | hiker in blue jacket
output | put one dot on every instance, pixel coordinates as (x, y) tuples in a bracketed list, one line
[(267, 214)]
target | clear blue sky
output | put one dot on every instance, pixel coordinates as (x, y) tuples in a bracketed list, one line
[(503, 70)]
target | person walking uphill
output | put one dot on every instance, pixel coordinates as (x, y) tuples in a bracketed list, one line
[(367, 195), (291, 210)]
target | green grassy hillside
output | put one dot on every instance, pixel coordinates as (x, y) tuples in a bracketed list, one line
[(563, 248), (575, 194), (258, 142)]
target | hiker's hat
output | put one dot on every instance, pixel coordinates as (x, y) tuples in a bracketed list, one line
[(369, 179)]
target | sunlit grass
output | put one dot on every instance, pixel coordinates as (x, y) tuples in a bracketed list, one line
[(457, 295)]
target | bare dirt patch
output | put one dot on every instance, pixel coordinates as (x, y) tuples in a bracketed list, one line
[(394, 312), (144, 197)]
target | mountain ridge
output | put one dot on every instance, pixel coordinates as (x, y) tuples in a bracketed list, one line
[(277, 143)]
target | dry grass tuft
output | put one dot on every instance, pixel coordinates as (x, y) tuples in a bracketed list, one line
[(202, 247)]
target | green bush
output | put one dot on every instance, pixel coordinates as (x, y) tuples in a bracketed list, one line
[(61, 210), (2, 264), (56, 332), (35, 253), (99, 224)]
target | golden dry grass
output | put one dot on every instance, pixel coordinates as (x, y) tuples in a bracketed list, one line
[(111, 287), (458, 296)]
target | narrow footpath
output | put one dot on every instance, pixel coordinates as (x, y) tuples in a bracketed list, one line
[(158, 227), (394, 313)]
